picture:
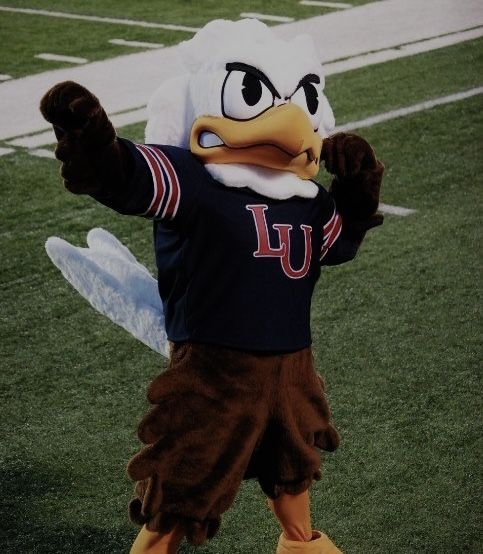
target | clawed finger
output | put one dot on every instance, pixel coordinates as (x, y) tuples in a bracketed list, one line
[(67, 147), (68, 106), (354, 157), (327, 154), (80, 187), (59, 133), (85, 106), (340, 156)]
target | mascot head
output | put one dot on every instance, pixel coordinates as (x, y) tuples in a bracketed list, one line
[(250, 106)]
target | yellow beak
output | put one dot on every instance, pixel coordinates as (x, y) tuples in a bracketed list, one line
[(280, 138)]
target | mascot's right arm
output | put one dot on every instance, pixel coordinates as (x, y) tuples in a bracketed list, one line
[(93, 160)]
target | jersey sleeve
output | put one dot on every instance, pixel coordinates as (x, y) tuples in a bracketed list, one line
[(338, 246), (163, 183)]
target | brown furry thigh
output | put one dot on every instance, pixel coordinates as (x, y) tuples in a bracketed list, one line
[(221, 416)]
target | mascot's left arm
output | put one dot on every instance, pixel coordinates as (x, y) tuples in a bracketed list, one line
[(355, 188)]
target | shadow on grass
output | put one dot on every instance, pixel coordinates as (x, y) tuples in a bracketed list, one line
[(29, 497), (35, 516)]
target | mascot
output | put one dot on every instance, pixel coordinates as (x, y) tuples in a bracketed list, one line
[(241, 232)]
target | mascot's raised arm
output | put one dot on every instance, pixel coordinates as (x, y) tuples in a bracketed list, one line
[(241, 233)]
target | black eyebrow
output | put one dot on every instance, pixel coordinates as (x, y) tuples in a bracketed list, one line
[(310, 78), (239, 66)]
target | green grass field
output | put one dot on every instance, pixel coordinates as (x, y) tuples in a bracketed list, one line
[(23, 36), (396, 332)]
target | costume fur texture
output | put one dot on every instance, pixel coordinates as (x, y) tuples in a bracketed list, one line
[(115, 284), (220, 415), (241, 404), (283, 62)]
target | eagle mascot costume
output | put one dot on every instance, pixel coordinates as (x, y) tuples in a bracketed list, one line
[(241, 232)]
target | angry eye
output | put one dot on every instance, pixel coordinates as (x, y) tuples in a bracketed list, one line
[(307, 98), (245, 96)]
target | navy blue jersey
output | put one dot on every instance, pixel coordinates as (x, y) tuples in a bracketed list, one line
[(234, 268)]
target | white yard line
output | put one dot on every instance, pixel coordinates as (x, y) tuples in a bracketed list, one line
[(395, 210), (5, 77), (384, 208), (42, 153), (32, 141), (135, 43), (60, 58), (386, 24), (127, 82), (5, 151), (48, 137), (140, 115), (335, 5), (415, 108), (402, 51), (111, 20), (128, 118), (267, 17)]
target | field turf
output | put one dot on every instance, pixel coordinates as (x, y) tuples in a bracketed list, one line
[(23, 35), (397, 337)]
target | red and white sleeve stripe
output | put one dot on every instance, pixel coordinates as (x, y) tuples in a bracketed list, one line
[(166, 189), (332, 230)]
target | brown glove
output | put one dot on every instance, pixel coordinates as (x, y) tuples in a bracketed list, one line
[(357, 181), (93, 160)]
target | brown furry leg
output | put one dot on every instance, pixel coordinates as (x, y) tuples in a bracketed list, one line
[(293, 514), (149, 542)]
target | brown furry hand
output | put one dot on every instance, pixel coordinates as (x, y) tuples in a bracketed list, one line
[(69, 106), (357, 179), (345, 155), (86, 138)]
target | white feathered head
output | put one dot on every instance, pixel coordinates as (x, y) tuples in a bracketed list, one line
[(250, 105)]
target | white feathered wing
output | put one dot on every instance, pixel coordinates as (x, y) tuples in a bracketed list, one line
[(115, 284)]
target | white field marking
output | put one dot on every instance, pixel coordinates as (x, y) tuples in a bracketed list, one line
[(131, 22), (140, 115), (128, 81), (5, 77), (384, 208), (395, 210), (42, 153), (383, 25), (127, 118), (32, 141), (402, 51), (402, 112), (59, 58), (335, 5), (266, 17), (5, 151), (135, 43), (48, 137)]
